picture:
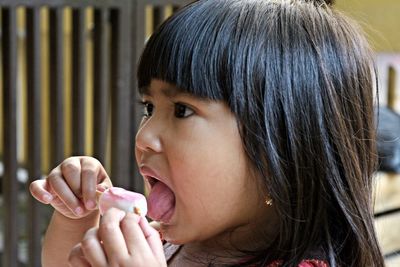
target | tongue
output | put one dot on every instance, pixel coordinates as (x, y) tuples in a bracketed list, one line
[(161, 202)]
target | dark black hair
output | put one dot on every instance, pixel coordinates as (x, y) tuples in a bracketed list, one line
[(299, 77)]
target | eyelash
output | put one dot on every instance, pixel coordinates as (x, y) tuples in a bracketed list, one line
[(180, 108), (145, 105)]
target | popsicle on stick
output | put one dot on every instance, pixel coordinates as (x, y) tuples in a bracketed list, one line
[(122, 199)]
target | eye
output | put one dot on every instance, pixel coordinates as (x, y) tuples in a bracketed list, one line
[(147, 108), (182, 111)]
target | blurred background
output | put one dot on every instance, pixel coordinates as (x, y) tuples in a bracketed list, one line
[(66, 79), (381, 22)]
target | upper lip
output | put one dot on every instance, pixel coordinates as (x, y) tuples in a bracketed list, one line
[(150, 174)]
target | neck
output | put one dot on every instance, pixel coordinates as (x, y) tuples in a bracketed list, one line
[(233, 245)]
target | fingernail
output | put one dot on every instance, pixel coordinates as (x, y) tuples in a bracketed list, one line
[(102, 187), (47, 197), (90, 204), (79, 211)]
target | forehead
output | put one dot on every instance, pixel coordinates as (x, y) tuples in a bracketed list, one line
[(169, 90), (160, 87)]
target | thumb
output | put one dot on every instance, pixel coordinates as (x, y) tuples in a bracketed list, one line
[(104, 185)]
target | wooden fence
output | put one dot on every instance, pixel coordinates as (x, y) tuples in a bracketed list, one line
[(67, 88)]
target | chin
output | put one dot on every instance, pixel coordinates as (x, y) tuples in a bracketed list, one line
[(174, 236), (174, 239), (171, 235)]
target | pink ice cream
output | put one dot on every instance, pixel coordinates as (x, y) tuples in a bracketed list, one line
[(116, 197)]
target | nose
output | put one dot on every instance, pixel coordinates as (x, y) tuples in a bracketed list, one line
[(148, 137)]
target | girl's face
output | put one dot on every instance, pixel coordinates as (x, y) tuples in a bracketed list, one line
[(191, 156)]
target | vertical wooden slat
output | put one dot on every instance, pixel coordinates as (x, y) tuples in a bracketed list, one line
[(175, 8), (391, 88), (159, 16), (78, 84), (101, 83), (34, 129), (56, 29), (121, 153), (122, 141), (10, 184), (138, 36)]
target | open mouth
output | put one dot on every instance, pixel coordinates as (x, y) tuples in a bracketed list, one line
[(161, 200), (152, 181)]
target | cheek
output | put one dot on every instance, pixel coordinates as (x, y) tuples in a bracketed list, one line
[(211, 177), (214, 159), (212, 201)]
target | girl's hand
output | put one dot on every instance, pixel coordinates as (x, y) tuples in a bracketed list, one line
[(120, 240), (71, 187)]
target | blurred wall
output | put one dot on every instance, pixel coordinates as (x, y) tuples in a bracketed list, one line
[(380, 19)]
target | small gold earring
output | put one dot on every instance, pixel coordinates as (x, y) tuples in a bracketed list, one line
[(268, 201)]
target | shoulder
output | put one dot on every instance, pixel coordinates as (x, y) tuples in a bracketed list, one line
[(304, 263)]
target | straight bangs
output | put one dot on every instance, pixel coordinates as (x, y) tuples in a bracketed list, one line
[(192, 50)]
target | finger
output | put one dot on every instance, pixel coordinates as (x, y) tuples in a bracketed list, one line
[(92, 249), (71, 171), (76, 257), (153, 239), (90, 169), (40, 191), (64, 193), (111, 235), (141, 238), (135, 240), (102, 175), (103, 180)]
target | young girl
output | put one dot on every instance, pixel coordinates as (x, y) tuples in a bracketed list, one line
[(257, 146)]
